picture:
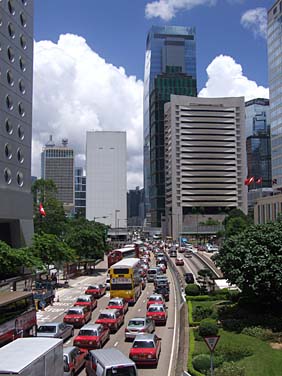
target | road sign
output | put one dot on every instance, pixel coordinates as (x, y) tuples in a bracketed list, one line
[(211, 341)]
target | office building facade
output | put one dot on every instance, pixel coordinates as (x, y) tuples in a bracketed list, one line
[(274, 35), (170, 68), (57, 164), (16, 70), (106, 178), (258, 142), (79, 192), (205, 158), (135, 205)]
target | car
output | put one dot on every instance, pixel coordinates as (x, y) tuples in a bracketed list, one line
[(161, 280), (92, 336), (118, 303), (201, 247), (157, 312), (189, 278), (112, 318), (55, 330), (173, 254), (138, 325), (188, 253), (163, 267), (108, 283), (211, 247), (155, 299), (179, 261), (86, 301), (152, 272), (74, 360), (77, 316), (96, 290), (143, 282), (164, 291), (146, 349)]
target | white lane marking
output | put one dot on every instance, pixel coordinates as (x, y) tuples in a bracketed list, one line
[(144, 301), (139, 309), (69, 341), (174, 332), (115, 345)]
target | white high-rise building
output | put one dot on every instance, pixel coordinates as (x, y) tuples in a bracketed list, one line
[(205, 158), (106, 178)]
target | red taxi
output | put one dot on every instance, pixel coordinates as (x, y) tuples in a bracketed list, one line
[(155, 299), (77, 316), (179, 261), (157, 312), (92, 336), (86, 301), (146, 349), (111, 318), (96, 290), (118, 303)]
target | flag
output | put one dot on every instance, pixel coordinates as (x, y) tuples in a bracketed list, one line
[(41, 210), (274, 181), (249, 181), (259, 180)]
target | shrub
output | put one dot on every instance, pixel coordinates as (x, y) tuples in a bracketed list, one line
[(201, 362), (201, 313), (232, 352), (192, 289), (233, 325), (254, 331), (208, 327), (191, 369), (230, 369)]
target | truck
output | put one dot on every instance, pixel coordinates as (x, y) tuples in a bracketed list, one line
[(32, 357)]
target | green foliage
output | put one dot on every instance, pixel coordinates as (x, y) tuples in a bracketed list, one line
[(55, 220), (254, 331), (192, 289), (252, 260), (201, 362), (191, 369), (233, 352), (210, 222), (201, 313), (208, 327), (230, 369)]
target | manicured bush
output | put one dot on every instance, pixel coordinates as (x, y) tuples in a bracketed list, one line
[(208, 327), (201, 313), (233, 325), (254, 331), (232, 352), (191, 369), (192, 289), (230, 369), (201, 362), (200, 298)]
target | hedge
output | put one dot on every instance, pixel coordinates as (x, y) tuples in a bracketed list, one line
[(191, 369), (190, 315)]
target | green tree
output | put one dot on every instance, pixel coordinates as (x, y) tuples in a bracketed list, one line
[(236, 222), (252, 261), (51, 250), (42, 190)]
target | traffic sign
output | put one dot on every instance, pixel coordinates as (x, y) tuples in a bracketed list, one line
[(211, 341)]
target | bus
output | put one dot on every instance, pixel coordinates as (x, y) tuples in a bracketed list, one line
[(128, 251), (17, 316), (125, 280)]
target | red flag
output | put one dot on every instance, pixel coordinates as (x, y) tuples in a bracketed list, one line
[(249, 181), (259, 180), (41, 210)]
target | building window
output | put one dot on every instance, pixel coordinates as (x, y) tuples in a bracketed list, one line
[(9, 102), (10, 78), (11, 30), (24, 2), (22, 64), (23, 42), (11, 54), (9, 126), (20, 155), (23, 19), (7, 175), (11, 7), (21, 109), (8, 151), (22, 86), (20, 179), (20, 132)]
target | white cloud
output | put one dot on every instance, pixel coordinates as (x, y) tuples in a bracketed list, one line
[(76, 90), (226, 79), (256, 21)]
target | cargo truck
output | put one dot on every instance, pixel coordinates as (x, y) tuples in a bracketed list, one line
[(32, 357)]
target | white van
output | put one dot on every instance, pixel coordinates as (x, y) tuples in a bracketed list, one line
[(109, 362)]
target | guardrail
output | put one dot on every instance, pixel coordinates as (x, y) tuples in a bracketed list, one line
[(209, 264)]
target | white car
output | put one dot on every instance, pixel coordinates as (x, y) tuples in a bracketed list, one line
[(212, 248)]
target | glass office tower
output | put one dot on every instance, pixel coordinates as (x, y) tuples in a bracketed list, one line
[(170, 68), (274, 35)]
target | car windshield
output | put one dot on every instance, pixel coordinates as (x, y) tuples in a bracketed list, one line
[(74, 312), (121, 371), (114, 303), (88, 332), (143, 345), (152, 271), (106, 316), (155, 309), (46, 329), (93, 287), (81, 300), (137, 323)]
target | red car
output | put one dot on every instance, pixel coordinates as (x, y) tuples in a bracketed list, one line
[(86, 301), (96, 290), (146, 349), (111, 318), (92, 336), (157, 312), (118, 303), (155, 299), (179, 261), (78, 316)]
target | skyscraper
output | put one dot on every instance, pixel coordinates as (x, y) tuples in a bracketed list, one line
[(106, 178), (274, 35), (205, 159), (80, 192), (16, 68), (57, 164), (170, 68), (258, 142)]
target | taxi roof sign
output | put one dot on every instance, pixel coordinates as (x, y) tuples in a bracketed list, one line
[(211, 341)]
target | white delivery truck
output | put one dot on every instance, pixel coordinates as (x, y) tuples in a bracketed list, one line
[(32, 356)]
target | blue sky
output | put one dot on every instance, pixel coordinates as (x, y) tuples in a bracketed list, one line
[(116, 31)]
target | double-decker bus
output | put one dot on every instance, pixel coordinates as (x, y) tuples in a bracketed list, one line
[(17, 316), (125, 280), (127, 251)]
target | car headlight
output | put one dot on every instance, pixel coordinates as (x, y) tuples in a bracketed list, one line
[(76, 319), (150, 356), (90, 342)]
